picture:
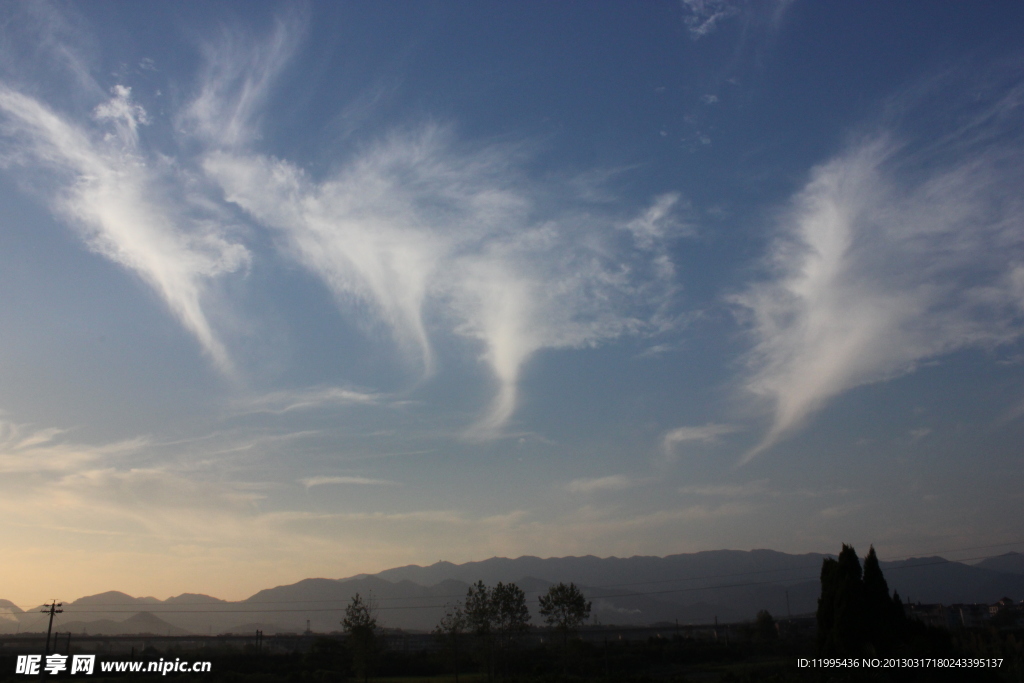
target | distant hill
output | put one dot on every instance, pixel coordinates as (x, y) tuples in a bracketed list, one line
[(193, 599), (115, 597), (141, 623), (711, 566), (1010, 563), (935, 579), (729, 585), (8, 607)]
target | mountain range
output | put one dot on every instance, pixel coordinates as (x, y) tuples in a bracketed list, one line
[(726, 585)]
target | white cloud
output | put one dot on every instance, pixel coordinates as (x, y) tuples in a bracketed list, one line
[(25, 449), (891, 255), (919, 433), (119, 201), (703, 16), (419, 234), (615, 482), (38, 38), (310, 482), (125, 114), (236, 82), (280, 402), (753, 488), (657, 222), (418, 223), (708, 433)]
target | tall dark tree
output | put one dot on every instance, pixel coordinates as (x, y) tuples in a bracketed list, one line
[(764, 626), (511, 618), (360, 624), (449, 631), (479, 610), (883, 615), (856, 615), (840, 613), (565, 608)]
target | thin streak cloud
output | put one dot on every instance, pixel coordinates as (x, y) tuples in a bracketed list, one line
[(29, 450), (310, 482), (281, 402), (705, 434), (615, 482)]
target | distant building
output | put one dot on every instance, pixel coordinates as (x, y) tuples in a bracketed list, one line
[(1005, 614)]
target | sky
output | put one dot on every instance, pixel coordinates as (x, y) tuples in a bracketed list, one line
[(294, 290)]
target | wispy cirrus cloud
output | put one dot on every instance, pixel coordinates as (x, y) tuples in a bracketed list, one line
[(419, 234), (704, 17), (419, 225), (122, 202), (892, 254), (43, 38), (25, 449), (236, 81)]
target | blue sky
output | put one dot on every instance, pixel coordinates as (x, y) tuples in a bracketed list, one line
[(312, 290)]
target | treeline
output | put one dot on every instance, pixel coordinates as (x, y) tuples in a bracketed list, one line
[(482, 634), (496, 618), (485, 629)]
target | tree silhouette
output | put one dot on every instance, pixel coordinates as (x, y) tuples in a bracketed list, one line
[(764, 626), (856, 615), (883, 616), (480, 618), (511, 618), (565, 608), (360, 624), (450, 629)]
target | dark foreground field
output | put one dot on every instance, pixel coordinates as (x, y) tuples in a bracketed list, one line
[(746, 656)]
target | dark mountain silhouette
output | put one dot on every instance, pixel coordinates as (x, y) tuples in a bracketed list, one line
[(1010, 563), (193, 599), (110, 597), (935, 579), (693, 588), (711, 566)]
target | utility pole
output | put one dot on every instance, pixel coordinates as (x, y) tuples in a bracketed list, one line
[(52, 609)]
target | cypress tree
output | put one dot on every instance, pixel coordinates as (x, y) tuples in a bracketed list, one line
[(848, 626), (883, 614), (856, 615)]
